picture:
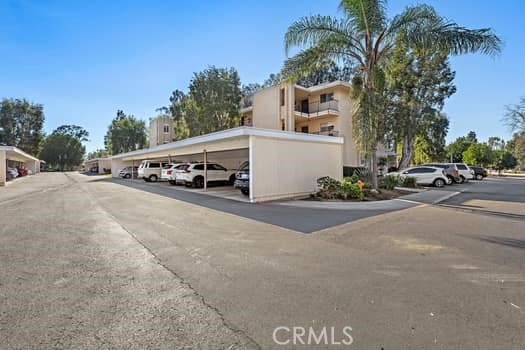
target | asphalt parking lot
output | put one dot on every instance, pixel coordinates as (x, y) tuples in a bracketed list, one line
[(90, 263)]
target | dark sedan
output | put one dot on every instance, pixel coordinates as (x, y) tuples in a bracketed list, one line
[(479, 172)]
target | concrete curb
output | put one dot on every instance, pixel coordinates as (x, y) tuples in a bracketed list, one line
[(444, 198)]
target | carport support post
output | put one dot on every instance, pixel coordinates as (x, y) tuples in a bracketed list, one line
[(205, 170), (3, 169), (132, 167)]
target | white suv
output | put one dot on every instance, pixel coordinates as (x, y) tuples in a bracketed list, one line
[(465, 173), (150, 171), (192, 174), (425, 175), (168, 171)]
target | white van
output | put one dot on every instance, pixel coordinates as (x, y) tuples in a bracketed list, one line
[(150, 170)]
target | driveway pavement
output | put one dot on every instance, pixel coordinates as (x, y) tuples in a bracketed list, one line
[(115, 266)]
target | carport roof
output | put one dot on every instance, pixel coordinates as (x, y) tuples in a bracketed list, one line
[(17, 154), (230, 134)]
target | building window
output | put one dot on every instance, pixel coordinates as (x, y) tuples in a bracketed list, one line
[(304, 129), (282, 125), (166, 128), (282, 97), (242, 121), (326, 127), (327, 97)]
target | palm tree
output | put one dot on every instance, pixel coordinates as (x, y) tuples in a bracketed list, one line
[(365, 37)]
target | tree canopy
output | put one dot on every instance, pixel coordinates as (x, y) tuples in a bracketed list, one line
[(125, 134), (62, 151), (21, 124), (75, 131)]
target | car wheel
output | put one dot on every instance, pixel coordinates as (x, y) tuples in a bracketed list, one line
[(245, 191), (461, 179), (153, 178), (171, 182), (127, 176), (479, 177), (439, 183), (198, 182), (232, 180), (451, 179)]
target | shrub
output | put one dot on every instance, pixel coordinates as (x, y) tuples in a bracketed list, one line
[(409, 182), (388, 182), (333, 189)]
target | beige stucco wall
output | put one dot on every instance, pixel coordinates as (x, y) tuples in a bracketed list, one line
[(287, 168), (266, 108), (350, 151)]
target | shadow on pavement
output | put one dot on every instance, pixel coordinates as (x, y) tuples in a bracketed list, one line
[(510, 242), (305, 220)]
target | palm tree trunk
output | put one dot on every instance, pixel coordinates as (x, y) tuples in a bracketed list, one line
[(407, 152)]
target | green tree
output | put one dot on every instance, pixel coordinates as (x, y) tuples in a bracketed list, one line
[(419, 82), (73, 130), (456, 149), (22, 124), (62, 151), (366, 37), (99, 153), (505, 160), (515, 116), (496, 143), (472, 137), (125, 134), (430, 143), (516, 146), (479, 154), (214, 101)]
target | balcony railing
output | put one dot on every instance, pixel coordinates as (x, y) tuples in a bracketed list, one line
[(327, 133), (316, 108)]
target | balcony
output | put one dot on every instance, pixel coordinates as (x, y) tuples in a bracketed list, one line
[(316, 109), (326, 133)]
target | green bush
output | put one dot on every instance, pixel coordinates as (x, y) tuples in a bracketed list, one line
[(409, 182), (388, 182), (333, 189)]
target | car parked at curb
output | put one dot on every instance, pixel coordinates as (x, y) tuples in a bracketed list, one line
[(242, 178), (192, 174), (465, 173), (127, 172), (150, 171), (451, 171), (425, 175), (479, 172)]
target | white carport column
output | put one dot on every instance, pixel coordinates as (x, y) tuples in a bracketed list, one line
[(251, 166), (3, 168)]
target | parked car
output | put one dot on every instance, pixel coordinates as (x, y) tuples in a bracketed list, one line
[(425, 175), (465, 173), (451, 170), (168, 171), (172, 177), (126, 172), (11, 173), (479, 172), (150, 171), (242, 178), (22, 171), (192, 174)]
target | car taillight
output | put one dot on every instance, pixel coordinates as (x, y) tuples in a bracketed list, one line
[(456, 171), (169, 172)]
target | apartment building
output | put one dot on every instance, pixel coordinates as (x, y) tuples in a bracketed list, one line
[(324, 109), (161, 131)]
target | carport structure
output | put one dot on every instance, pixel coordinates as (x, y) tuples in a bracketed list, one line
[(13, 154), (282, 164), (100, 163)]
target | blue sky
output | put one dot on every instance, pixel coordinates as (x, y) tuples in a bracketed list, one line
[(85, 59)]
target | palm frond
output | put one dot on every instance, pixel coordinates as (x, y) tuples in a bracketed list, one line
[(366, 15), (314, 58), (310, 31), (424, 28)]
